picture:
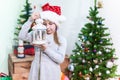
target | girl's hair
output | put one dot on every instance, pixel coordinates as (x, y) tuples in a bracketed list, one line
[(56, 37), (33, 23)]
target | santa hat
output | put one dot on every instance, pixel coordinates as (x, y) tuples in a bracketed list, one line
[(52, 13)]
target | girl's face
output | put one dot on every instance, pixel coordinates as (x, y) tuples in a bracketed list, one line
[(51, 27)]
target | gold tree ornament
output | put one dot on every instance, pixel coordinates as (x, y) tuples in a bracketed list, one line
[(98, 78), (22, 20), (18, 27), (80, 74), (86, 77), (95, 61), (100, 4)]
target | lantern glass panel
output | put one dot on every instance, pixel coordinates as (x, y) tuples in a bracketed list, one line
[(39, 34)]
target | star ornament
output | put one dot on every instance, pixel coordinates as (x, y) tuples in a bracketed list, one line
[(100, 4)]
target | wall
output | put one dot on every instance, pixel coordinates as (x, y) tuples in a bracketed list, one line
[(112, 15), (75, 12), (9, 11)]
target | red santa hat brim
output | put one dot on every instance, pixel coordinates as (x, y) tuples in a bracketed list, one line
[(49, 15)]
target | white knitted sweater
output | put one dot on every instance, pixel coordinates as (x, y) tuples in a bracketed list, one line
[(48, 63)]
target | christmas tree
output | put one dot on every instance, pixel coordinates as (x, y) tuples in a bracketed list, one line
[(93, 57), (23, 17)]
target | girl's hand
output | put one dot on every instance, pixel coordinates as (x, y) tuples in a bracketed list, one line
[(41, 46), (35, 15)]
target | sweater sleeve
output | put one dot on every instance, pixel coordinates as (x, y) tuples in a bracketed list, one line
[(59, 54), (23, 34)]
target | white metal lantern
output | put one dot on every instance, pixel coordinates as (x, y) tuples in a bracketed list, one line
[(39, 33)]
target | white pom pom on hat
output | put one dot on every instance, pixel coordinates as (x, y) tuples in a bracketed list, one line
[(52, 13)]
